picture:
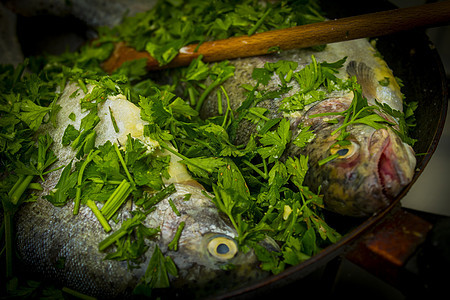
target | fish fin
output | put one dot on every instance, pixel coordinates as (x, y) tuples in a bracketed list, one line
[(364, 76)]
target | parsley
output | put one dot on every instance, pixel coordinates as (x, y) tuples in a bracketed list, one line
[(59, 195), (312, 77), (164, 30), (33, 114), (275, 141), (173, 245), (129, 240), (27, 100), (156, 275), (304, 136), (406, 120), (116, 199)]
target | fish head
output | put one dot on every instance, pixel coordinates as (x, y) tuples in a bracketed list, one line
[(370, 170), (208, 257)]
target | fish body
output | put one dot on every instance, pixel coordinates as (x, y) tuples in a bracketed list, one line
[(64, 247), (376, 165)]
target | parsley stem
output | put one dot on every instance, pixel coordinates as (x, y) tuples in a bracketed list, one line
[(260, 21), (173, 245), (266, 215), (220, 78), (254, 168), (91, 204), (126, 228), (16, 185), (111, 239), (52, 170), (89, 157), (76, 207), (113, 120), (261, 116), (82, 86), (168, 190), (124, 165), (265, 166), (186, 159), (205, 93), (191, 92), (228, 106), (207, 145), (328, 159), (101, 181), (289, 76), (19, 188), (174, 208), (116, 199)]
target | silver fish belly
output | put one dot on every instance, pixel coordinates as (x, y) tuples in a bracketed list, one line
[(61, 246), (375, 167)]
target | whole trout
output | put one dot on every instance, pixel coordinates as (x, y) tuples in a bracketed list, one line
[(375, 166), (64, 247)]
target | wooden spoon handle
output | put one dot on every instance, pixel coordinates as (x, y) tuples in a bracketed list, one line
[(367, 25)]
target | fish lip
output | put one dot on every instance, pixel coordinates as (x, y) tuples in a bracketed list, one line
[(380, 139), (380, 177), (390, 178)]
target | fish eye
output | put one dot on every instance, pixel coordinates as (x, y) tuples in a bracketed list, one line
[(344, 151), (222, 247)]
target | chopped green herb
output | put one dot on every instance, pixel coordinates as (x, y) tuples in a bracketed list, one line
[(113, 120), (174, 208), (156, 275), (173, 245), (116, 199), (91, 204)]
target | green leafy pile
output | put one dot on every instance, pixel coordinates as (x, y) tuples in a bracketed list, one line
[(261, 195), (164, 30), (26, 101)]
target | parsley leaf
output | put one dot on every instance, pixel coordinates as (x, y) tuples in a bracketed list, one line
[(275, 141), (59, 195), (156, 275), (33, 114), (304, 136)]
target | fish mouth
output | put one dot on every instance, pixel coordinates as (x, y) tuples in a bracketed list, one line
[(385, 170), (391, 174)]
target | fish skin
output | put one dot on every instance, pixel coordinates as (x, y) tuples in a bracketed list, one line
[(48, 235), (382, 165)]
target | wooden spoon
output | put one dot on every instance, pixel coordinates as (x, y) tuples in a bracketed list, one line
[(367, 25)]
